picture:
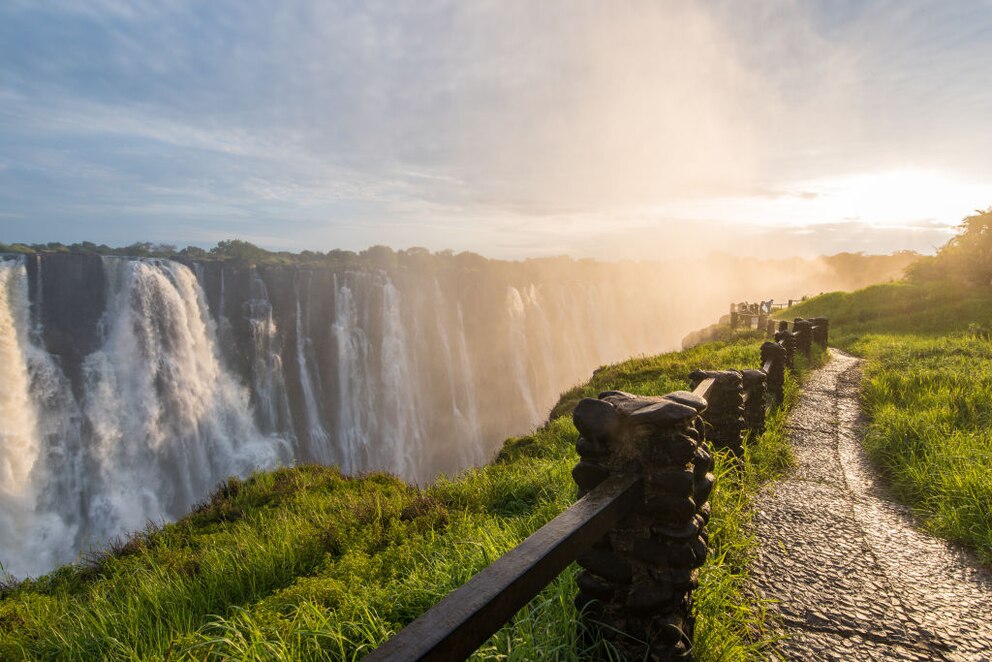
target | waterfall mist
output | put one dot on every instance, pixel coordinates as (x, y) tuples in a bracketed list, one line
[(132, 387)]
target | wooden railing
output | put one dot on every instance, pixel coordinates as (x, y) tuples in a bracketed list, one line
[(754, 315), (638, 531), (469, 615)]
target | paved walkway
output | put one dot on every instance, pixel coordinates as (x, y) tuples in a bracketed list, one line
[(848, 575)]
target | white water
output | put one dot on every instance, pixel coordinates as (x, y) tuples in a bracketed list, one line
[(394, 371), (318, 439), (166, 422), (268, 381)]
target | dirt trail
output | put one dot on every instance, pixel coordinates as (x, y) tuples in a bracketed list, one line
[(849, 576)]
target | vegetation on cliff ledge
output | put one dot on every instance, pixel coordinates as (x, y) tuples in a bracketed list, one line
[(304, 562)]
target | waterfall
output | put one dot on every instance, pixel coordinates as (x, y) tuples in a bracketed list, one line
[(461, 383), (520, 350), (19, 443), (317, 436), (355, 405), (268, 381), (165, 422), (127, 398)]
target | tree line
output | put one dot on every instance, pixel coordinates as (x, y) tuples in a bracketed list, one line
[(965, 259)]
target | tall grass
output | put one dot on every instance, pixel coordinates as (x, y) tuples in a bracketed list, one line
[(928, 395), (306, 563)]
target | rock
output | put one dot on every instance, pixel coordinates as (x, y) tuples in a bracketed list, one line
[(678, 448), (688, 399), (652, 552), (700, 551), (678, 482), (628, 404), (671, 510), (704, 487), (588, 474), (647, 597), (608, 565), (690, 530), (596, 419), (702, 461), (591, 448), (663, 413), (751, 376), (619, 394), (681, 555), (594, 587)]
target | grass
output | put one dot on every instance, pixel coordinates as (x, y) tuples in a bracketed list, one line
[(928, 395), (306, 563)]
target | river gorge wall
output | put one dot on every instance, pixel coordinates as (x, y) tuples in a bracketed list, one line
[(132, 387), (129, 388)]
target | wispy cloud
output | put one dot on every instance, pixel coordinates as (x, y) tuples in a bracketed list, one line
[(496, 127)]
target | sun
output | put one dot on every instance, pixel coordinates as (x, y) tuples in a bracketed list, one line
[(905, 197)]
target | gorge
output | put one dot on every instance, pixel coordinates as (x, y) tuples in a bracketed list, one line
[(132, 387)]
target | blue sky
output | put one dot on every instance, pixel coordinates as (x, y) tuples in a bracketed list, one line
[(510, 128)]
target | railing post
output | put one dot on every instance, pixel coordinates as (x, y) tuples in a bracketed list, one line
[(733, 316), (821, 331), (773, 360), (637, 580), (770, 331), (788, 340), (803, 329), (754, 400), (725, 411)]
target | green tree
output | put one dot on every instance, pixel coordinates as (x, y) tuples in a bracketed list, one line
[(972, 248), (967, 257), (239, 250)]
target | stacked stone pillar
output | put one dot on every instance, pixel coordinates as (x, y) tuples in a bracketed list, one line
[(754, 400), (724, 415), (637, 581), (788, 341), (821, 331), (803, 330), (773, 353)]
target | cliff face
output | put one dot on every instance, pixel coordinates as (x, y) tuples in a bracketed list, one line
[(150, 381), (68, 297)]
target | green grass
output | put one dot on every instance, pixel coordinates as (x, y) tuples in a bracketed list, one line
[(928, 395), (306, 563)]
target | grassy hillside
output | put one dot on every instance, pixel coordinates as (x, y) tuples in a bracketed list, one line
[(928, 394), (304, 562)]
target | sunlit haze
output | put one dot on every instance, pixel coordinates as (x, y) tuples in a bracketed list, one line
[(512, 129)]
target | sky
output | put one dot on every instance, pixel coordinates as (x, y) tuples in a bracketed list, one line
[(511, 128)]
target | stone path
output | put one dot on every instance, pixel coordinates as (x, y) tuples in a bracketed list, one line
[(847, 574)]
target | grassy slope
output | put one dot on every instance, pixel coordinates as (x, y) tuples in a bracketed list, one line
[(928, 394), (306, 563)]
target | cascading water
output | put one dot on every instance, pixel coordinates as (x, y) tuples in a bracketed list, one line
[(355, 403), (461, 382), (316, 435), (520, 355), (131, 388), (268, 381), (168, 422), (164, 422), (19, 443)]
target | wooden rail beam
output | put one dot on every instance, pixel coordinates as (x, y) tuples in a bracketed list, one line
[(469, 615), (704, 388)]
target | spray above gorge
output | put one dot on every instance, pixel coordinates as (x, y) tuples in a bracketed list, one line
[(133, 387)]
